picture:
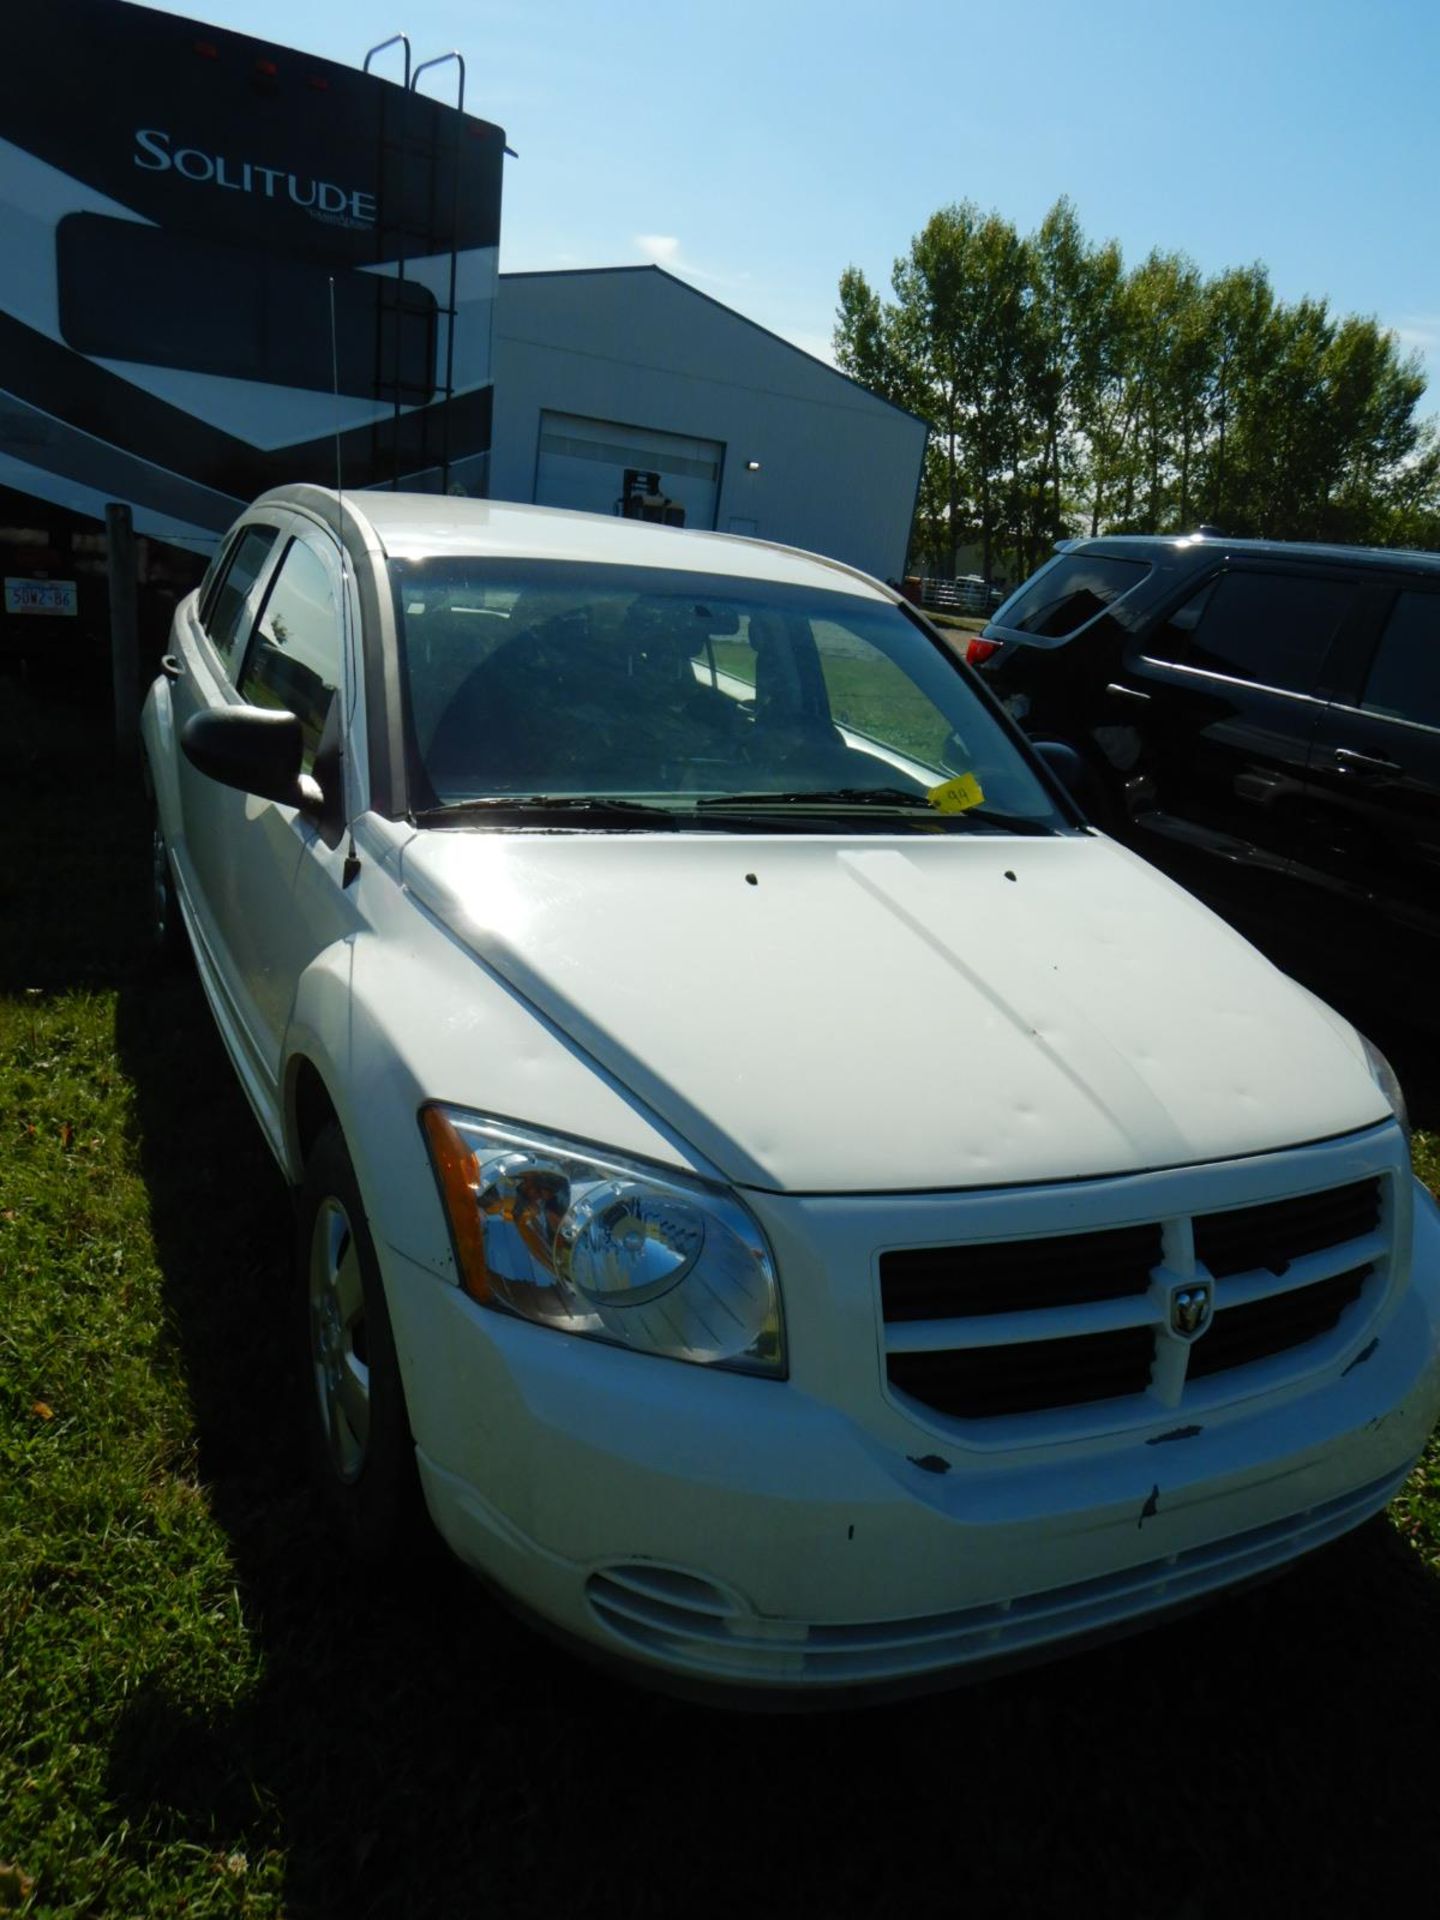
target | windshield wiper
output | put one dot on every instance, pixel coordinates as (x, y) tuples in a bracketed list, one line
[(825, 798), (596, 810), (594, 807), (891, 799)]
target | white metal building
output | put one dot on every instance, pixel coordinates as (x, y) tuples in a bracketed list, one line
[(605, 369)]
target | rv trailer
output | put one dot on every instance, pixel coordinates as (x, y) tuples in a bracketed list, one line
[(229, 264)]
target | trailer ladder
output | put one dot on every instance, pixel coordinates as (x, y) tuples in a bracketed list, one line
[(418, 218)]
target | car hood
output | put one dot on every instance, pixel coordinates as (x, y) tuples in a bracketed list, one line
[(822, 1014)]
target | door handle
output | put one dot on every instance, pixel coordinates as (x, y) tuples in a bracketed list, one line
[(172, 668), (1127, 693), (1364, 765)]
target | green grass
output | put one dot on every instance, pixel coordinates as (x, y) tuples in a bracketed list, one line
[(203, 1711), (124, 1635), (1427, 1159), (957, 622), (1416, 1514)]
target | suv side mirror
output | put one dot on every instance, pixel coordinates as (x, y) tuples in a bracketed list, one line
[(255, 750), (1075, 775)]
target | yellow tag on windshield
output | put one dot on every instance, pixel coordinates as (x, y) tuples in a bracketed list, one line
[(955, 796)]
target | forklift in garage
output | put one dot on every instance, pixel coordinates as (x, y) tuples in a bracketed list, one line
[(643, 498)]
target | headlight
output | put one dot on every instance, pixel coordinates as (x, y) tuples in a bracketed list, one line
[(1388, 1081), (619, 1252)]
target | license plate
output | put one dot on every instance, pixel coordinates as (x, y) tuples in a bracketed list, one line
[(41, 596)]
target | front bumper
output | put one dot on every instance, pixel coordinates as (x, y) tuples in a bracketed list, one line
[(725, 1529)]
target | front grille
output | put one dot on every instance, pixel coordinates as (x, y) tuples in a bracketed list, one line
[(1010, 1276), (1247, 1238), (1275, 1324), (977, 1383), (980, 1331)]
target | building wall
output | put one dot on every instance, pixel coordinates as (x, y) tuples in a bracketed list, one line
[(635, 346)]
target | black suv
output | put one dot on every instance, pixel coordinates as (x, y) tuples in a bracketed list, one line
[(1263, 713)]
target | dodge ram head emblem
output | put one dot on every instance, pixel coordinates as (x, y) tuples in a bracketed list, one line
[(1190, 1309)]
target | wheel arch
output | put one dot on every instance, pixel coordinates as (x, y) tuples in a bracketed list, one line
[(343, 1067), (159, 744), (309, 1109)]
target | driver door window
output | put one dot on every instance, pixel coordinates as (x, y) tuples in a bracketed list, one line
[(293, 661), (224, 616)]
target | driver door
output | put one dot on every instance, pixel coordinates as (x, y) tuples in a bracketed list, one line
[(248, 851)]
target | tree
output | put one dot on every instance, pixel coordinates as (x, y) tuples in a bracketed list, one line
[(1072, 333), (1063, 390), (1238, 306), (932, 320)]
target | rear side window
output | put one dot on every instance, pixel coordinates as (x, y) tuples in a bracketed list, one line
[(209, 580), (294, 659), (247, 558), (1404, 678), (1068, 593), (1272, 629)]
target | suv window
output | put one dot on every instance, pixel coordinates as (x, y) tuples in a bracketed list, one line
[(1170, 638), (1404, 678), (294, 658), (1068, 592), (1273, 629), (247, 558)]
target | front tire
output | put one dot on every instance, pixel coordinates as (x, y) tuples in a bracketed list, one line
[(168, 945), (361, 1454)]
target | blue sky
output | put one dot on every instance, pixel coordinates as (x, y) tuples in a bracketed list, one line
[(759, 147)]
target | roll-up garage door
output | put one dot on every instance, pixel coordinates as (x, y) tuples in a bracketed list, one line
[(582, 464)]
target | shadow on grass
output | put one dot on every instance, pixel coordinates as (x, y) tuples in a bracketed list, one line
[(70, 916), (414, 1752)]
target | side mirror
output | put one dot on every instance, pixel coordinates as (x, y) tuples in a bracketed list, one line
[(255, 750), (1075, 775)]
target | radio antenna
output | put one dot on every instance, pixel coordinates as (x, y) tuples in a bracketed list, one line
[(352, 861), (335, 390)]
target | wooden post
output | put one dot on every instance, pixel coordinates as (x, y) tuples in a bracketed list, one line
[(124, 628)]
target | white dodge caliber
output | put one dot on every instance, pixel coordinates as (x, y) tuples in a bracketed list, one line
[(804, 1212)]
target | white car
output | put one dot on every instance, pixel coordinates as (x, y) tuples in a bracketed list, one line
[(807, 1212)]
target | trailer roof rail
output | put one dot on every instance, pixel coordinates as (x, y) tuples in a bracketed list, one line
[(442, 60), (395, 40)]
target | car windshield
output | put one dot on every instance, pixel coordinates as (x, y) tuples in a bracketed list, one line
[(692, 700)]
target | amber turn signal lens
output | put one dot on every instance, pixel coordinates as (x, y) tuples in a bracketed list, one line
[(456, 1169)]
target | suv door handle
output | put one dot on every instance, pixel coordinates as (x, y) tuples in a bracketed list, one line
[(1364, 765), (172, 668), (1127, 693)]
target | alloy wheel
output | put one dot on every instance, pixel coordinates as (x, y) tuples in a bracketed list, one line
[(337, 1339)]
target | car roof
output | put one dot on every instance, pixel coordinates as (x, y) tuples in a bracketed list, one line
[(421, 525), (1197, 547)]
